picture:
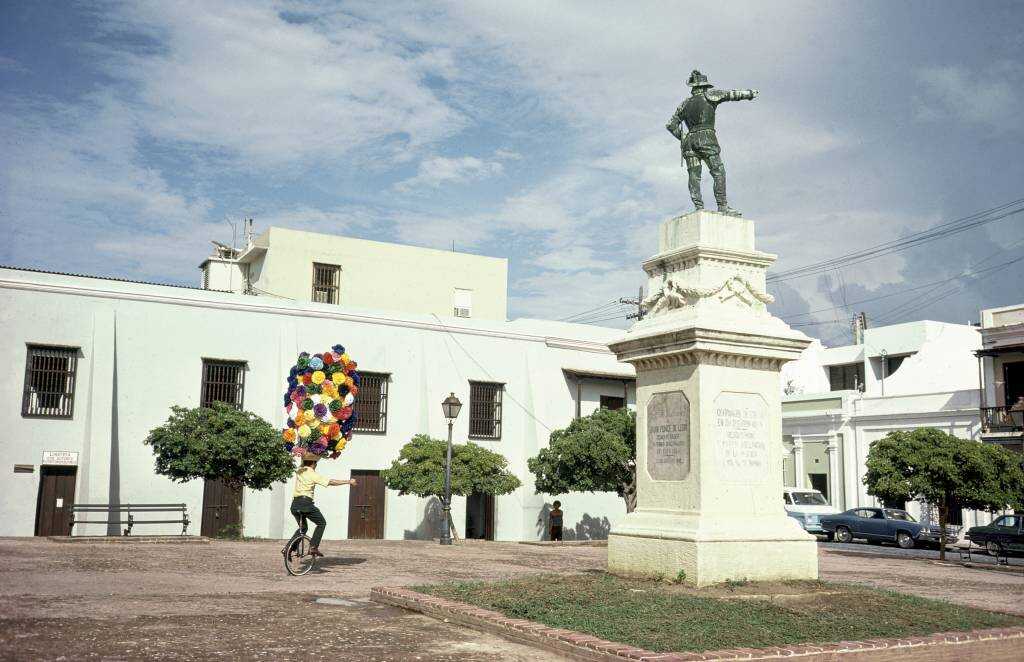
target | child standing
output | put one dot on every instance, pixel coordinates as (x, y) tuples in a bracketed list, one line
[(555, 521)]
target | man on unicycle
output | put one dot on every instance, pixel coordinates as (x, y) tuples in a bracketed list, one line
[(303, 508)]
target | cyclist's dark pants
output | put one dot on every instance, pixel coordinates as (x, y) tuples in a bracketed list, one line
[(305, 506)]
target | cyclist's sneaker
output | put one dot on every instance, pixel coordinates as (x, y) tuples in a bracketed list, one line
[(313, 551)]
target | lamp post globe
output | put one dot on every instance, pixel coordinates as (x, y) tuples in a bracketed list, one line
[(451, 406)]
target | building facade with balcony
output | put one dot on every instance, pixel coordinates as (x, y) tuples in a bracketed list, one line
[(1001, 368), (838, 400)]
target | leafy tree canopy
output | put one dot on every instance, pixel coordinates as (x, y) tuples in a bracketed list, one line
[(595, 453), (419, 469), (927, 464), (220, 442)]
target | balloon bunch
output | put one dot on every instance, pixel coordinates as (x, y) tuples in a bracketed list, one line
[(318, 404)]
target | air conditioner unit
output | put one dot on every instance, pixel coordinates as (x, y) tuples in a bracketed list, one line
[(462, 312)]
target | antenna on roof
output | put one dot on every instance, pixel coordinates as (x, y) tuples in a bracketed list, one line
[(453, 245), (234, 231)]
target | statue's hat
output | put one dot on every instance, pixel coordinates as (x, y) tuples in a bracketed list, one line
[(697, 79)]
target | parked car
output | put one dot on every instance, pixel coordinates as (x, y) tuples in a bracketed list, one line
[(1004, 534), (807, 507), (884, 525)]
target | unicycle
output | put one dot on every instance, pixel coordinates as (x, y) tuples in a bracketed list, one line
[(298, 559)]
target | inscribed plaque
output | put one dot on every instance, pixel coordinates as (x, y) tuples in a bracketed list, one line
[(668, 436), (741, 438)]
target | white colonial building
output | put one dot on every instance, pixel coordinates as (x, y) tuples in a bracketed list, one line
[(1001, 360), (838, 400), (97, 363)]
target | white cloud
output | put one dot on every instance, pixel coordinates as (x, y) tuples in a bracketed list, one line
[(439, 170), (991, 97), (240, 79)]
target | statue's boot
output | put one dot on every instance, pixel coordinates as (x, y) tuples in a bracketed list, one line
[(728, 211)]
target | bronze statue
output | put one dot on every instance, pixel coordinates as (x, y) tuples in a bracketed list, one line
[(700, 143)]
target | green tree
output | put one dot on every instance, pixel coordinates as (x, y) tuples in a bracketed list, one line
[(596, 453), (419, 470), (929, 465), (220, 442)]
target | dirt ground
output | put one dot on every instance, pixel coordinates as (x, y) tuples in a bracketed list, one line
[(233, 600)]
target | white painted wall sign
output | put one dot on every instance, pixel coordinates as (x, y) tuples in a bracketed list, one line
[(62, 458), (668, 436), (741, 437)]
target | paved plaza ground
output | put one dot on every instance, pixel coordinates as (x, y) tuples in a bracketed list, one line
[(232, 600)]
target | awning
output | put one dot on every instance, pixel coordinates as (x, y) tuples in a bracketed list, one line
[(598, 374), (1002, 349)]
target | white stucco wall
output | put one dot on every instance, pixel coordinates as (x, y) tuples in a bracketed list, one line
[(378, 275), (141, 352)]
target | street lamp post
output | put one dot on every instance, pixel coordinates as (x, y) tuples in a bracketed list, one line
[(451, 407)]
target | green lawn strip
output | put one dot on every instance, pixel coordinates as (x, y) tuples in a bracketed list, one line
[(660, 617)]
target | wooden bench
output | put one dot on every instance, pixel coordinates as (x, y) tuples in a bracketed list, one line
[(126, 513)]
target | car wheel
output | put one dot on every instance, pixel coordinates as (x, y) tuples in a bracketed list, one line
[(843, 534), (904, 540), (993, 548)]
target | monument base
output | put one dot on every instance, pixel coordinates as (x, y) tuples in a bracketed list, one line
[(662, 545)]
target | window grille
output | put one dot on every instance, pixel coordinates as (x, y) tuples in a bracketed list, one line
[(50, 382), (223, 381), (326, 282), (371, 405), (485, 410)]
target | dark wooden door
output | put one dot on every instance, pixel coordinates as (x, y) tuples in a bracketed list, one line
[(1013, 382), (222, 509), (366, 506), (56, 494), (480, 516)]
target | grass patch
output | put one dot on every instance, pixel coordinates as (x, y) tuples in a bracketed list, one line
[(662, 617)]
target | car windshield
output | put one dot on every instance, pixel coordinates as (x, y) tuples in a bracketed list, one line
[(892, 513), (809, 499)]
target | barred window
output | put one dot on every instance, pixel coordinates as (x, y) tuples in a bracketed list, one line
[(326, 282), (485, 410), (223, 381), (371, 405), (50, 382)]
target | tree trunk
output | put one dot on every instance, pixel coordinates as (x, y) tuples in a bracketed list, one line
[(943, 518), (629, 494), (451, 527)]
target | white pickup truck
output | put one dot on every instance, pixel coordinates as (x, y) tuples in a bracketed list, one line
[(806, 506)]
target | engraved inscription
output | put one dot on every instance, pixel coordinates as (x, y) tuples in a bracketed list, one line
[(668, 436), (741, 438)]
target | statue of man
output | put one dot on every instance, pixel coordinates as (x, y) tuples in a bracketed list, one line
[(700, 143)]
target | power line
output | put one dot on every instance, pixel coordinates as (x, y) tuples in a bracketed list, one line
[(584, 313), (910, 241), (963, 273)]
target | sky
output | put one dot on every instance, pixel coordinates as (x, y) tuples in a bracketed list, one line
[(132, 134)]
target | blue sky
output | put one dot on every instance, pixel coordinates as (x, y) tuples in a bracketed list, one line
[(130, 134)]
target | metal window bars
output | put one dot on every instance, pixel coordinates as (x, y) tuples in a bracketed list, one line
[(223, 381), (326, 283), (371, 405), (485, 410), (50, 382)]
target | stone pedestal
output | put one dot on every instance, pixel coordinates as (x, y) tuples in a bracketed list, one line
[(709, 418)]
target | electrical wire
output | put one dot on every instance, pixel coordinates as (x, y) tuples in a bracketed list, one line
[(585, 313), (911, 241), (488, 373)]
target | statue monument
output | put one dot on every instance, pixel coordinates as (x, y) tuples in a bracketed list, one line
[(700, 142), (709, 418)]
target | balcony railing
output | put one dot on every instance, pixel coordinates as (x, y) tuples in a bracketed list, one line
[(1002, 419)]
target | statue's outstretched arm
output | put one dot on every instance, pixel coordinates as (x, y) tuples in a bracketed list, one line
[(718, 96)]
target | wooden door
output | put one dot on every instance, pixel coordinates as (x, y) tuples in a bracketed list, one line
[(480, 516), (56, 494), (222, 510), (366, 506)]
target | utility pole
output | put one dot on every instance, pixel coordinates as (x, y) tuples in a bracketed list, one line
[(639, 303), (860, 324)]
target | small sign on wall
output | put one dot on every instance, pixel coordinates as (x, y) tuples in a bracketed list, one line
[(60, 458)]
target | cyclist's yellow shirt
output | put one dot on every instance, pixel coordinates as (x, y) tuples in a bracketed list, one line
[(306, 480)]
